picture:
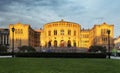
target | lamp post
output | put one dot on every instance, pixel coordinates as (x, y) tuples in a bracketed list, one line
[(108, 32), (13, 29)]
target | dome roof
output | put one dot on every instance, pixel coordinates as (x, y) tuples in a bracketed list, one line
[(62, 21)]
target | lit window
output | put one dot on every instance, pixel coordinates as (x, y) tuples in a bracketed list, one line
[(74, 33), (69, 32), (62, 32), (21, 31), (49, 33), (15, 31), (103, 31), (18, 31), (55, 32)]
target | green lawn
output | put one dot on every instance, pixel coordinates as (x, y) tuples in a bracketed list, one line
[(58, 65)]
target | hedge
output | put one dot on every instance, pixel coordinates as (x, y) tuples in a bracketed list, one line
[(62, 55), (5, 54)]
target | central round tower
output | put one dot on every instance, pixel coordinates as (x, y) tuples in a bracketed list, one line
[(62, 34)]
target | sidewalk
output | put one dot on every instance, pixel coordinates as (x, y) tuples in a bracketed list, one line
[(5, 56), (114, 57)]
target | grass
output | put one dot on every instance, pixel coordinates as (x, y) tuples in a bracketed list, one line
[(58, 65)]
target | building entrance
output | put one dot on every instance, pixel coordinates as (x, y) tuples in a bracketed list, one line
[(62, 43)]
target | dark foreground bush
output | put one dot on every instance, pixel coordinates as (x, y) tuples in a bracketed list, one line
[(3, 49), (62, 55), (96, 48), (118, 54), (5, 54)]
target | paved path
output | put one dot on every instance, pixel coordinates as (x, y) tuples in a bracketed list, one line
[(113, 57), (5, 56)]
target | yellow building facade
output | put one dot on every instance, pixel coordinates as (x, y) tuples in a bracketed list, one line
[(62, 34), (24, 35), (100, 35)]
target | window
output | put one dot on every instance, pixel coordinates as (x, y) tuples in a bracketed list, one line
[(55, 43), (55, 32), (69, 43), (18, 31), (104, 39), (49, 33), (86, 36), (69, 32), (21, 31), (74, 44), (62, 32), (103, 31), (15, 31), (74, 33)]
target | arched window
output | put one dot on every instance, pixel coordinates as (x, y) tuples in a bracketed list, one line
[(55, 43), (74, 44), (49, 44), (69, 43), (62, 43)]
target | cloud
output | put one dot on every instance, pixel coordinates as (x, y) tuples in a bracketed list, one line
[(38, 12)]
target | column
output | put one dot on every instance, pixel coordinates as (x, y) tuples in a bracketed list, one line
[(6, 40), (0, 38), (3, 39)]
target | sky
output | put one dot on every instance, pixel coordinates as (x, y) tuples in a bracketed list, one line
[(39, 12)]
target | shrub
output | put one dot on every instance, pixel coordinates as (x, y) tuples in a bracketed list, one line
[(62, 55), (97, 49), (3, 49)]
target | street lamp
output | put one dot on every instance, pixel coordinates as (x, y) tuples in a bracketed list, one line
[(108, 32), (13, 29)]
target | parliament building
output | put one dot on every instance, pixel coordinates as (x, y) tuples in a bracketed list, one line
[(61, 34)]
